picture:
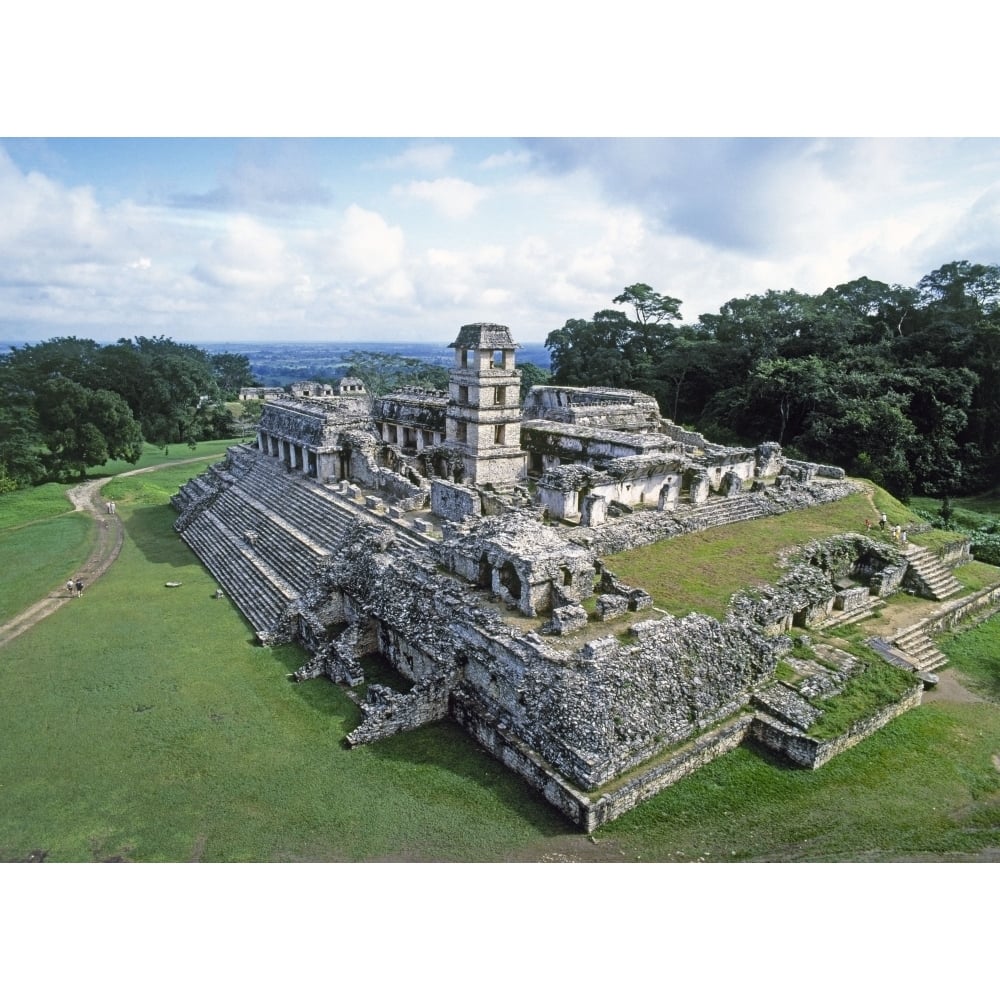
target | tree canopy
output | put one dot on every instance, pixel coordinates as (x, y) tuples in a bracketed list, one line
[(898, 384), (69, 403)]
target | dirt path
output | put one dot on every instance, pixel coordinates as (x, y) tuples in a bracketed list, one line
[(108, 544)]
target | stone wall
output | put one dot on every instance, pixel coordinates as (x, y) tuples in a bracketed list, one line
[(956, 554), (615, 409), (386, 712), (806, 751), (679, 764), (975, 607), (454, 502)]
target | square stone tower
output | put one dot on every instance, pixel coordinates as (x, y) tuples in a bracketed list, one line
[(483, 419)]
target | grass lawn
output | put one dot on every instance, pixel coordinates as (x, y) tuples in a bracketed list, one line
[(43, 542), (701, 571), (145, 723), (975, 655), (153, 455)]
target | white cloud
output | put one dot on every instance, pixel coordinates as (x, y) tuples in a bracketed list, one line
[(509, 158), (430, 157), (451, 196), (367, 245), (248, 256), (532, 251)]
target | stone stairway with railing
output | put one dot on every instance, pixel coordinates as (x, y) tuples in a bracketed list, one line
[(928, 575), (265, 533)]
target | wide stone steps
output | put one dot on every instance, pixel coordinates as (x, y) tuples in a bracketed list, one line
[(249, 582), (316, 514), (292, 555), (850, 617), (265, 533), (934, 575), (719, 511)]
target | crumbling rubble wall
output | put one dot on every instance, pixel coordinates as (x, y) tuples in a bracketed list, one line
[(386, 712), (613, 705)]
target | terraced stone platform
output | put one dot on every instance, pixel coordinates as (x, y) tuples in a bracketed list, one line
[(266, 533)]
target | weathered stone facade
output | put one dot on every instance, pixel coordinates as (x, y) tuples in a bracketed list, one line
[(404, 529)]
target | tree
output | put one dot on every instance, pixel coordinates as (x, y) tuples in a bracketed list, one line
[(651, 308), (20, 445), (231, 372), (382, 372), (531, 375), (82, 427)]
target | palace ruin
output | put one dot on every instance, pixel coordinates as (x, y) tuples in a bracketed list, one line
[(456, 536)]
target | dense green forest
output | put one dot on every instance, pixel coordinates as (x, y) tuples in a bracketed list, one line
[(68, 403), (900, 385)]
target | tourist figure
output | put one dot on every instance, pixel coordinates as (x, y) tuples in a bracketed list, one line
[(79, 588), (902, 537), (881, 521), (868, 524), (69, 587), (114, 507)]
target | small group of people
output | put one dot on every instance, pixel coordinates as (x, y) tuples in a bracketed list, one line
[(898, 531), (75, 587), (112, 509)]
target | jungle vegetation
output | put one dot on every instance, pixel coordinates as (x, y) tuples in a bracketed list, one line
[(896, 384)]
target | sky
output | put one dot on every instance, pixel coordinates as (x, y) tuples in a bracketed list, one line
[(209, 240), (402, 236)]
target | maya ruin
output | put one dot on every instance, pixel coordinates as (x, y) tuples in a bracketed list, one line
[(451, 540)]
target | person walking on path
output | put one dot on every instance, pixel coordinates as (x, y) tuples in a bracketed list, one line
[(70, 587), (79, 588), (882, 518)]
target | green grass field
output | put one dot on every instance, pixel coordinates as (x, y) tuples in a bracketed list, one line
[(145, 723), (152, 455)]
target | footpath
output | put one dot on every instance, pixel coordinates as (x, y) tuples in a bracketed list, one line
[(108, 544)]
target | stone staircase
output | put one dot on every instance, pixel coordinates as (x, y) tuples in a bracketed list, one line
[(917, 647), (718, 511), (265, 534), (928, 575)]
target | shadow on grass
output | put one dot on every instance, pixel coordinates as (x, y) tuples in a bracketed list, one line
[(152, 530), (441, 745), (446, 745)]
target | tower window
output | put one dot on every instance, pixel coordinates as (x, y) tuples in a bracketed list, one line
[(498, 434)]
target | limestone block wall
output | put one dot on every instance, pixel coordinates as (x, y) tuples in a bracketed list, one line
[(613, 705), (956, 554), (691, 439), (520, 758), (975, 607), (621, 409)]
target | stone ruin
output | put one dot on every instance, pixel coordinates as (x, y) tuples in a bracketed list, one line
[(456, 540)]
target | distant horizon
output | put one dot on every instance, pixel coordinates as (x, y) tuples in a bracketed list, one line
[(205, 344)]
